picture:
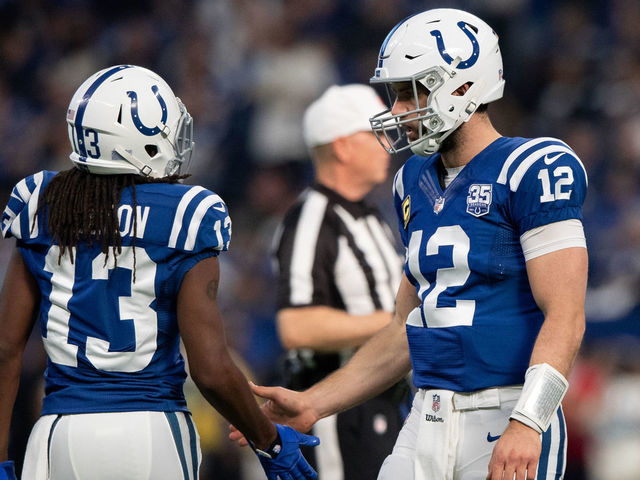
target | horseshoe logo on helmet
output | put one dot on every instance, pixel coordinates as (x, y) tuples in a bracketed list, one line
[(148, 131), (473, 58)]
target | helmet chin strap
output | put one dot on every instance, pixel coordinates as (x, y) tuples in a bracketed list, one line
[(430, 145), (425, 147), (144, 169)]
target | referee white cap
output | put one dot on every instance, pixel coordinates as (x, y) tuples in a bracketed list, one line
[(340, 111)]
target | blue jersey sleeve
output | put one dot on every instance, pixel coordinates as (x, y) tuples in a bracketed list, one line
[(19, 214), (201, 222), (548, 184), (200, 228)]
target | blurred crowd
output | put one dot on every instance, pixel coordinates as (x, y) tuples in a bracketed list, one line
[(246, 69)]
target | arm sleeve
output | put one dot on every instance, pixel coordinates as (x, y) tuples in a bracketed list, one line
[(551, 237), (200, 228)]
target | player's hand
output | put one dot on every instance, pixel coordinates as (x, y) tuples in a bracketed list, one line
[(287, 406), (282, 406), (7, 470), (517, 452), (289, 464)]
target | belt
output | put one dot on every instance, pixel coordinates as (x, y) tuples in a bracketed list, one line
[(489, 398)]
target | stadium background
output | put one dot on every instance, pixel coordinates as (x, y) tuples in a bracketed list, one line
[(246, 69)]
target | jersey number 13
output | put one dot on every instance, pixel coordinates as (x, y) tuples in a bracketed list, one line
[(144, 318)]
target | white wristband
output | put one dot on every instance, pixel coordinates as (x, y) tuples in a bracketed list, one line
[(543, 390)]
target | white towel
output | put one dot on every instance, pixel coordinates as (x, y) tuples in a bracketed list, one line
[(437, 437)]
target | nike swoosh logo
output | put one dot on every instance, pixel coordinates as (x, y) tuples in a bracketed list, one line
[(549, 160), (491, 438), (220, 208)]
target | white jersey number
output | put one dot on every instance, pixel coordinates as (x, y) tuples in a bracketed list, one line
[(564, 176), (457, 275), (144, 318)]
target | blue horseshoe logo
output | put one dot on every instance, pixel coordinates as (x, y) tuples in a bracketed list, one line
[(149, 132), (469, 62)]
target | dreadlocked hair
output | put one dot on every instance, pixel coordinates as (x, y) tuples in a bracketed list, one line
[(79, 207)]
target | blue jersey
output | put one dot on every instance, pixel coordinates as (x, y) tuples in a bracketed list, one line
[(112, 341), (478, 320)]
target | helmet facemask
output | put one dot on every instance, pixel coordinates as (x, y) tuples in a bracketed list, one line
[(388, 127), (183, 143)]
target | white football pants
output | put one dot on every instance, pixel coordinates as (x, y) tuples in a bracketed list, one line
[(450, 436), (121, 445)]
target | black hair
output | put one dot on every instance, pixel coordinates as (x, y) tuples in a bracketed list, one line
[(81, 207)]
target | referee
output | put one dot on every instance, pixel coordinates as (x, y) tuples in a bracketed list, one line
[(338, 273)]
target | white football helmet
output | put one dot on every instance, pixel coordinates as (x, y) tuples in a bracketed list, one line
[(441, 49), (126, 119)]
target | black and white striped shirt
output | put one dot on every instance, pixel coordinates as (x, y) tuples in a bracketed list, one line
[(337, 253)]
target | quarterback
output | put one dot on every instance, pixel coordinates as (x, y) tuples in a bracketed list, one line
[(490, 310)]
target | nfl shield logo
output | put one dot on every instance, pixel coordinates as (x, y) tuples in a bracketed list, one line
[(479, 199), (436, 403), (438, 205)]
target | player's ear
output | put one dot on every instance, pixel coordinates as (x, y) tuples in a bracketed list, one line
[(462, 89)]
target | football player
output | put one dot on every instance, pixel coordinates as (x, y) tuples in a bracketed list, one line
[(118, 261), (490, 311)]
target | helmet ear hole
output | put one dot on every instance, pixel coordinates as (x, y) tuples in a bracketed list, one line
[(152, 150)]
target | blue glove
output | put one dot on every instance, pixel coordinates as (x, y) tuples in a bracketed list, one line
[(7, 472), (288, 463)]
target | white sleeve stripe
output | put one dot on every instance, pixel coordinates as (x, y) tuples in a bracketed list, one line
[(15, 228), (398, 185), (524, 166), (7, 221), (502, 178), (552, 237), (23, 193), (23, 190), (33, 204), (196, 220), (182, 207), (304, 248)]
